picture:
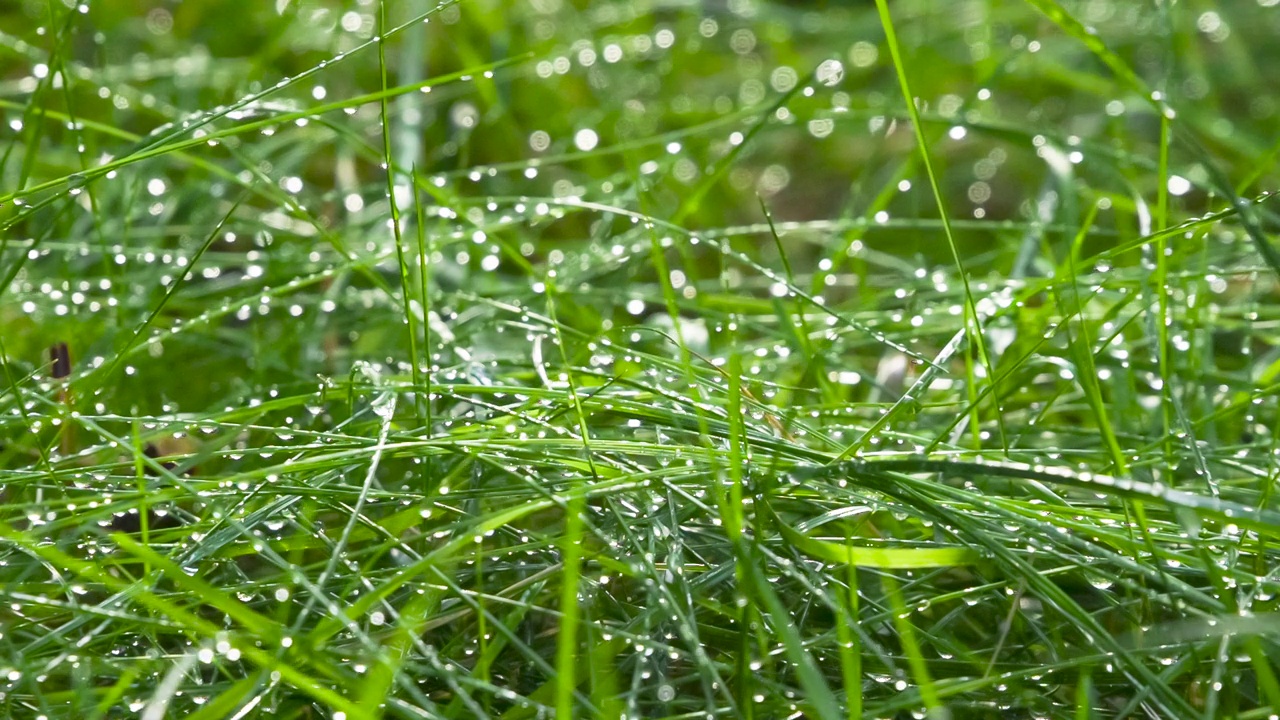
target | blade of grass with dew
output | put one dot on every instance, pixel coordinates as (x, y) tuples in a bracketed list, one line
[(163, 140), (425, 250), (1078, 31), (1065, 604), (973, 324), (813, 362), (415, 358), (189, 620), (884, 558), (818, 693), (915, 658), (571, 547)]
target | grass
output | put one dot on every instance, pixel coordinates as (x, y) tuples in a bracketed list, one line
[(549, 359)]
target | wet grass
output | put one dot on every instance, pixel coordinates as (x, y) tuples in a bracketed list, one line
[(521, 360)]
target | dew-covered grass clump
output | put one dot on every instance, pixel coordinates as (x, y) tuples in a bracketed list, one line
[(546, 359)]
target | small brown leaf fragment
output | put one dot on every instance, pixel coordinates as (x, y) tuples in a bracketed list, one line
[(61, 359)]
